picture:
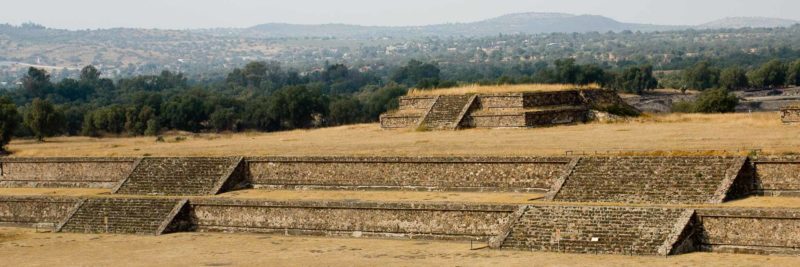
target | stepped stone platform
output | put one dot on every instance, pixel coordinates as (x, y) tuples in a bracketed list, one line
[(654, 180), (610, 205), (612, 230), (123, 215), (527, 109), (182, 176)]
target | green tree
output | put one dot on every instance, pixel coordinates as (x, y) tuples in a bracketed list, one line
[(566, 71), (152, 127), (9, 120), (37, 83), (716, 101), (223, 119), (295, 106), (90, 74), (636, 80), (794, 73), (733, 78), (344, 110), (701, 76), (43, 119), (771, 74), (416, 73), (590, 74)]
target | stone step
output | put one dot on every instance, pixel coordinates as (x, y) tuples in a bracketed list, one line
[(445, 112), (586, 229), (177, 176), (121, 215), (685, 180)]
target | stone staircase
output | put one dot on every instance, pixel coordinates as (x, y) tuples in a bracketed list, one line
[(123, 216), (446, 112), (607, 230), (656, 180), (179, 176)]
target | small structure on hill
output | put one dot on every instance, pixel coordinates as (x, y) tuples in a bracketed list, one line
[(450, 111), (790, 114)]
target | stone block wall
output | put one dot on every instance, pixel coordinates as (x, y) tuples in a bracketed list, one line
[(64, 172), (555, 116), (27, 211), (421, 103), (400, 120), (790, 114), (410, 113), (778, 175), (528, 174), (761, 231), (356, 219)]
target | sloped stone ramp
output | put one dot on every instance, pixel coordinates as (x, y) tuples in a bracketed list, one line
[(182, 176), (144, 216), (447, 112), (652, 180), (593, 229)]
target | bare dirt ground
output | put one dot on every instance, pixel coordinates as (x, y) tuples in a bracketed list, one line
[(403, 196), (24, 247), (655, 134)]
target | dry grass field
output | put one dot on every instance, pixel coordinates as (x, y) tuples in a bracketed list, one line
[(25, 247), (403, 196), (505, 88), (651, 134)]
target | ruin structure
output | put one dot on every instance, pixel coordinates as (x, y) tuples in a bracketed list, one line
[(495, 110)]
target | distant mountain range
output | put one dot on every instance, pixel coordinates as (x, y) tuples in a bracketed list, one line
[(530, 23), (745, 22)]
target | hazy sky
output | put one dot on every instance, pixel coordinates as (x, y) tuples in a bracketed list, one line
[(180, 14)]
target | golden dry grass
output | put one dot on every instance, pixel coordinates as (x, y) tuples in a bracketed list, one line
[(504, 88), (677, 134), (24, 247), (53, 191)]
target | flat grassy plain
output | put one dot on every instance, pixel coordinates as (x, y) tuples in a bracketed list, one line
[(675, 134)]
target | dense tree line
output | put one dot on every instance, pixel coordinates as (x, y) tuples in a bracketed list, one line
[(260, 96), (265, 96)]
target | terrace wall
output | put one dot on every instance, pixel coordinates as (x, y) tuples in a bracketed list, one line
[(761, 231), (528, 174), (27, 211), (356, 219), (421, 103), (64, 172), (778, 176)]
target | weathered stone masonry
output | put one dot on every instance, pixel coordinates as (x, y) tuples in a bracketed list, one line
[(654, 180), (64, 172), (27, 211), (762, 231), (432, 173), (560, 228), (343, 218), (528, 109), (777, 176), (619, 230)]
